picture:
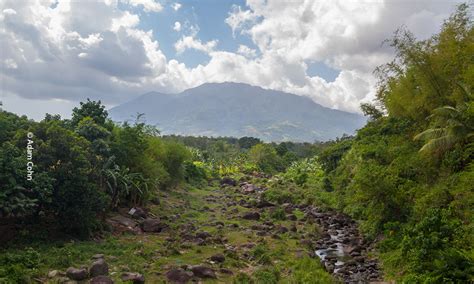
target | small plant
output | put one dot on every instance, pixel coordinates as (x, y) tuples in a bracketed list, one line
[(278, 214), (260, 254)]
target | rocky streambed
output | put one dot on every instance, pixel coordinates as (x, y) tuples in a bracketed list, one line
[(222, 233), (341, 248)]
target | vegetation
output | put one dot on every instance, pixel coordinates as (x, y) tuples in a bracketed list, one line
[(404, 174), (406, 178)]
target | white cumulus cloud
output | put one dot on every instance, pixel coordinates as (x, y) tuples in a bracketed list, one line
[(191, 42), (148, 5), (177, 26), (97, 49), (176, 6)]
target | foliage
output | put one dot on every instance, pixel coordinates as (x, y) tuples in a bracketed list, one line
[(306, 270), (415, 196), (265, 158), (83, 167)]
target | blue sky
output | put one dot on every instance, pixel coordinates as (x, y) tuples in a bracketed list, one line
[(55, 54)]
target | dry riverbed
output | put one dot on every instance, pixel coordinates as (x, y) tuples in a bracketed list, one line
[(222, 233)]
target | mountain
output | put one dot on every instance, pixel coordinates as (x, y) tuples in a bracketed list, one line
[(236, 109)]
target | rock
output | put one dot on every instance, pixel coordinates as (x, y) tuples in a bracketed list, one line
[(200, 242), (137, 213), (203, 235), (101, 280), (135, 278), (153, 225), (251, 216), (63, 280), (293, 228), (287, 207), (97, 256), (53, 273), (202, 271), (226, 271), (263, 203), (228, 181), (179, 275), (282, 229), (218, 258), (99, 267), (248, 188), (291, 217), (77, 273), (329, 267), (124, 221)]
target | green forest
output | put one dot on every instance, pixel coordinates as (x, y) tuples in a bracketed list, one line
[(239, 210)]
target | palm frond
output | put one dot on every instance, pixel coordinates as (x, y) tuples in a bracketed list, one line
[(430, 134), (439, 144)]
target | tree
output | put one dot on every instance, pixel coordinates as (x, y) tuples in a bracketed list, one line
[(452, 126), (371, 111), (248, 142), (266, 158), (92, 109)]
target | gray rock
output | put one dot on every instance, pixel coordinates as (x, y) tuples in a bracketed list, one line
[(203, 235), (228, 181), (53, 273), (202, 271), (135, 278), (138, 213), (218, 258), (226, 271), (179, 275), (99, 267), (251, 216), (77, 273), (153, 225)]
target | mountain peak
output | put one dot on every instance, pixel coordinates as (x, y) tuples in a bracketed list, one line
[(239, 109)]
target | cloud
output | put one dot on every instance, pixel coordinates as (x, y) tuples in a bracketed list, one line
[(59, 52), (239, 18), (246, 51), (176, 6), (148, 5), (177, 26), (56, 52), (191, 42)]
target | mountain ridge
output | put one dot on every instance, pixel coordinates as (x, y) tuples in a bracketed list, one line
[(238, 109)]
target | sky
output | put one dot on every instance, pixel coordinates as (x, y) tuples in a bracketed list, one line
[(54, 54)]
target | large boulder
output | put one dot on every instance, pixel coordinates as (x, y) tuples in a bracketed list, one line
[(203, 271), (77, 274), (99, 267), (179, 275), (153, 225)]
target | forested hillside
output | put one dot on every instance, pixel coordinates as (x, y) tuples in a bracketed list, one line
[(87, 199), (408, 175)]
